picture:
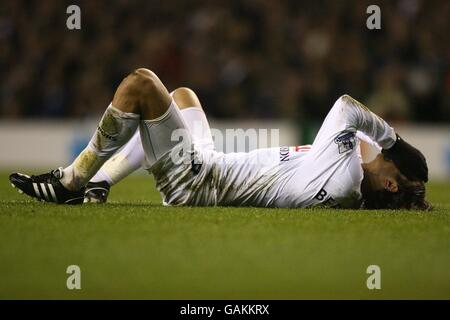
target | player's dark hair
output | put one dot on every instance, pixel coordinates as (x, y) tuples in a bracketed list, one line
[(410, 195)]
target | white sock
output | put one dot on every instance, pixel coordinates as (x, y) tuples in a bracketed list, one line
[(114, 130), (123, 163)]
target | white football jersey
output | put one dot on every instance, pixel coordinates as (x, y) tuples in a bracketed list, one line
[(327, 173)]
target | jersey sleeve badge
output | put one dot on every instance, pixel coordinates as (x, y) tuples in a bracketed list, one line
[(345, 141)]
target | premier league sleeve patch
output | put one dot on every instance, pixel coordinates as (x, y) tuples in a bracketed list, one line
[(345, 141)]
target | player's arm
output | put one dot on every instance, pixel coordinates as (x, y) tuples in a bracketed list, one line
[(351, 115), (354, 116)]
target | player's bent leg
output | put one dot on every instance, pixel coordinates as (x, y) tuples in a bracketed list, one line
[(153, 103), (131, 157), (141, 95)]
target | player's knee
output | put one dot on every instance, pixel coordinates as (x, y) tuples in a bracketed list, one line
[(185, 98), (143, 82), (146, 73), (147, 92), (140, 90), (183, 91)]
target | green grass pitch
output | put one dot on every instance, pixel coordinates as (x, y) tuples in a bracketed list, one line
[(135, 248)]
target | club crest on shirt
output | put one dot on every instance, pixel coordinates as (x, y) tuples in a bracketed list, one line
[(345, 141)]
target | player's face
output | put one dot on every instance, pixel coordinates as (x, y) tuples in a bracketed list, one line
[(412, 193), (389, 189), (388, 175)]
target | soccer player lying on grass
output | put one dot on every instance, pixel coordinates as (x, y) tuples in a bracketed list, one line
[(190, 172)]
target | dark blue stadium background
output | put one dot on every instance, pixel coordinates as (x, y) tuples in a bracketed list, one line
[(246, 59)]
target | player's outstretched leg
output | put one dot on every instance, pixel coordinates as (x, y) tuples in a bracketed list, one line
[(140, 95)]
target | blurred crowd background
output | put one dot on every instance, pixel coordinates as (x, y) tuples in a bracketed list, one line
[(245, 59)]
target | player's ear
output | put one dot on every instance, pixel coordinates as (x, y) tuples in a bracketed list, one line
[(390, 185)]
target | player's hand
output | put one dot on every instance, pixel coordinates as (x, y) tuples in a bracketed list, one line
[(410, 161)]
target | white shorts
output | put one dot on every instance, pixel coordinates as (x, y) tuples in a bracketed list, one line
[(169, 143)]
